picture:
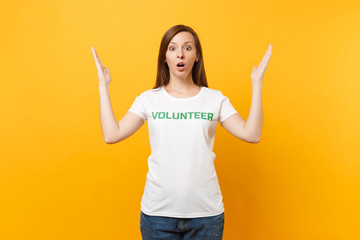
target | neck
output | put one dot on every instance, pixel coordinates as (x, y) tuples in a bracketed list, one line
[(180, 84)]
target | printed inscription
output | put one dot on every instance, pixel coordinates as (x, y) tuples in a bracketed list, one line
[(182, 115)]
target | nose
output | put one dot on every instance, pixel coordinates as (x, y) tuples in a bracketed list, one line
[(180, 54)]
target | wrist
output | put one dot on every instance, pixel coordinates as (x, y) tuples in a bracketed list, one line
[(257, 85), (103, 86)]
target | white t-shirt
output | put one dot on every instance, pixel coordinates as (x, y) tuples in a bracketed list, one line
[(182, 181)]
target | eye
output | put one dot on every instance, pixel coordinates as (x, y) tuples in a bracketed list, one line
[(188, 47), (170, 48)]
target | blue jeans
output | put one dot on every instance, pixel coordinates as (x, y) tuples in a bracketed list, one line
[(168, 228)]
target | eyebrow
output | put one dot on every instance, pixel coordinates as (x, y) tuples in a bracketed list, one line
[(184, 43)]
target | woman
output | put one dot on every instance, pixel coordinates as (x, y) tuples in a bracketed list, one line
[(182, 197)]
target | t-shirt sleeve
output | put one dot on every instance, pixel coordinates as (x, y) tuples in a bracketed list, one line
[(226, 108), (138, 106)]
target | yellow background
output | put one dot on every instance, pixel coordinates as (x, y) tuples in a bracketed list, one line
[(60, 180)]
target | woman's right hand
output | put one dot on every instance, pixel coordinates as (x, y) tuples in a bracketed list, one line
[(103, 72)]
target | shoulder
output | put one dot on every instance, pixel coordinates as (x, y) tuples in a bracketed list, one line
[(150, 93), (212, 92)]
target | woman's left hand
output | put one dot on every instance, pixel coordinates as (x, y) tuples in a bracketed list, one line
[(257, 73)]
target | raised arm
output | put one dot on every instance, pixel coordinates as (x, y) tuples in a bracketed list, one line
[(113, 131), (250, 130), (116, 131)]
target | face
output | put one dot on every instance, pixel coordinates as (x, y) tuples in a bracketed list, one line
[(181, 49)]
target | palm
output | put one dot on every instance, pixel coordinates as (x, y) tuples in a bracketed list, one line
[(258, 72), (103, 72)]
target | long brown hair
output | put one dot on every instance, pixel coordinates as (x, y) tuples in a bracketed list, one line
[(198, 70)]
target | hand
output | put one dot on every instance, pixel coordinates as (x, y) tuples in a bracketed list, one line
[(257, 74), (103, 72)]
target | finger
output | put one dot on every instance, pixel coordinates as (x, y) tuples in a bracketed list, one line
[(98, 65), (254, 69), (266, 58), (107, 73), (263, 60), (101, 64), (269, 50), (94, 54), (264, 63), (95, 57)]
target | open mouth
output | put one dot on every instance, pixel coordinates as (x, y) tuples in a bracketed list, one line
[(180, 66)]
